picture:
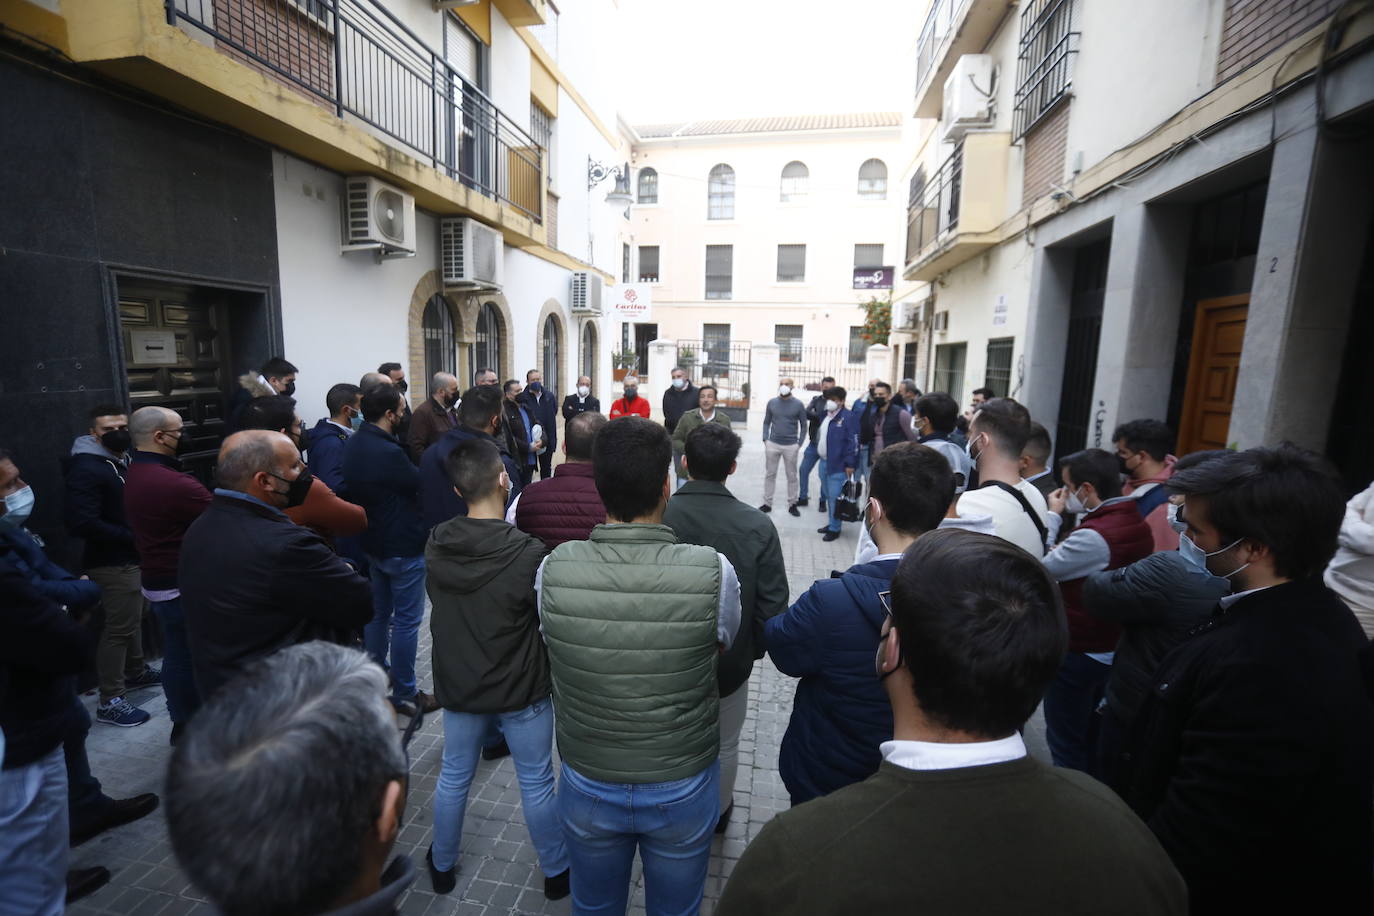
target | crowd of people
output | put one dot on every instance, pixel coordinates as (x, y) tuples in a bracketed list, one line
[(1195, 630)]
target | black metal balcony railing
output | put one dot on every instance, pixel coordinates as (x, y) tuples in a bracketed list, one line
[(358, 58), (933, 32), (1044, 61), (933, 209)]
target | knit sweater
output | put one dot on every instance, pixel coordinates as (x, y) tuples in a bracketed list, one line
[(784, 421)]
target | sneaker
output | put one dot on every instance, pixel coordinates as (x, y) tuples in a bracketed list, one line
[(559, 886), (121, 712), (831, 536), (82, 882), (496, 751), (151, 677), (765, 508), (443, 881), (118, 812), (793, 511), (803, 501)]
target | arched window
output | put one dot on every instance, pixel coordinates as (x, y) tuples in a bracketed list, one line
[(549, 362), (873, 180), (648, 186), (795, 176), (489, 340), (436, 327), (720, 193), (588, 367)]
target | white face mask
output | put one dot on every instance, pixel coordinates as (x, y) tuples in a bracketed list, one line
[(583, 391), (784, 391), (679, 383), (18, 507), (832, 406), (1074, 504)]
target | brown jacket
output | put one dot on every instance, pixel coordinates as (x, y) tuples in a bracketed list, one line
[(428, 423)]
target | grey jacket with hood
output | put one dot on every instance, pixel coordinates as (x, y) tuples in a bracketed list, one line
[(94, 505)]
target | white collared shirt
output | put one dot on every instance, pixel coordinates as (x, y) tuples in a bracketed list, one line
[(931, 755), (1227, 600)]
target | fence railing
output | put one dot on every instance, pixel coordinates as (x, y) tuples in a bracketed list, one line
[(358, 58), (811, 364), (933, 32), (934, 209), (727, 364)]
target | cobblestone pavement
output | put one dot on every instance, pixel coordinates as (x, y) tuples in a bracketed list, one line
[(498, 872)]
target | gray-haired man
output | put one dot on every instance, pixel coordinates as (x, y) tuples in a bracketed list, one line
[(286, 795)]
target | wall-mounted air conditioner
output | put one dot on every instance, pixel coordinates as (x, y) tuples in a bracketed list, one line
[(942, 321), (968, 96), (470, 254), (377, 217), (586, 293)]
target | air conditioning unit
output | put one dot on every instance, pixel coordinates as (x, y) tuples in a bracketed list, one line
[(378, 217), (968, 96), (586, 293), (470, 254), (942, 321)]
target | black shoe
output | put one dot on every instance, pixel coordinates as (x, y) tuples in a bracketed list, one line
[(177, 729), (792, 511), (823, 529), (82, 882), (443, 881), (822, 506), (803, 501), (765, 508), (117, 812), (725, 818), (831, 536), (427, 702), (496, 751), (559, 886)]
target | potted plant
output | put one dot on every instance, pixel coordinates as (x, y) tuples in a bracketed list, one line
[(623, 362), (687, 358)]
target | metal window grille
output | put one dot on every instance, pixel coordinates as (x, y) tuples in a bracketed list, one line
[(648, 263), (858, 347), (934, 207), (791, 263), (588, 367), (715, 340), (868, 255), (624, 262), (788, 337), (551, 347), (795, 177), (720, 260), (720, 193), (998, 375), (541, 126), (648, 186), (1044, 61), (488, 340), (949, 369), (873, 180), (437, 329)]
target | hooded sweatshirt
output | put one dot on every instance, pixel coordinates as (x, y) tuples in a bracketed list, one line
[(488, 654), (94, 505)]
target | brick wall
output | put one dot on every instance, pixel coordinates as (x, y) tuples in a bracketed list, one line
[(281, 33), (1254, 29), (1046, 143)]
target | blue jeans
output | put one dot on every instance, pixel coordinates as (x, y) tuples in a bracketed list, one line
[(672, 824), (1071, 710), (86, 799), (178, 682), (33, 837), (861, 471), (529, 732), (834, 483), (810, 458), (398, 607)]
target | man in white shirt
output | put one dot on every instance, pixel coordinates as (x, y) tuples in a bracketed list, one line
[(996, 437)]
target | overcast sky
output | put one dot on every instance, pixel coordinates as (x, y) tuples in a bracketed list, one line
[(740, 58)]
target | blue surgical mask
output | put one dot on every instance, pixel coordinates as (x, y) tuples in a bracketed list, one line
[(1174, 521), (968, 449), (1198, 557), (18, 507), (356, 421)]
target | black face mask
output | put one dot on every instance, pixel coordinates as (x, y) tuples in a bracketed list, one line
[(296, 490), (290, 388), (879, 402), (117, 441), (183, 444), (402, 387)]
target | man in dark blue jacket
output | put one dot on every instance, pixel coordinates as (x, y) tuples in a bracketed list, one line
[(837, 443), (326, 440), (379, 476), (542, 405), (828, 637), (479, 417)]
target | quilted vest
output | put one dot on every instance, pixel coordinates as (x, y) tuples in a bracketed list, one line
[(566, 507), (1129, 539), (629, 617)]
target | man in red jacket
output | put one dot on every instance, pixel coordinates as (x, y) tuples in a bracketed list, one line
[(1110, 534), (161, 501), (566, 507), (631, 405)]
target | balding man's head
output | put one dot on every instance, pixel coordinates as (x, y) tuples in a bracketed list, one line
[(261, 463), (371, 380), (147, 422)]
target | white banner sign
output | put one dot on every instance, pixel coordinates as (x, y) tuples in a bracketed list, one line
[(630, 303)]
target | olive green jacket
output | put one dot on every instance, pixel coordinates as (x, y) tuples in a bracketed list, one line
[(690, 421)]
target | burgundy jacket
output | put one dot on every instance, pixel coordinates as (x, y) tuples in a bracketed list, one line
[(161, 501), (1129, 539), (566, 507)]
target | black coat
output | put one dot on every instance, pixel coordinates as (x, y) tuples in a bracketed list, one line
[(94, 506), (676, 403), (253, 581), (517, 442), (379, 476), (573, 405), (544, 411), (815, 415), (1252, 756)]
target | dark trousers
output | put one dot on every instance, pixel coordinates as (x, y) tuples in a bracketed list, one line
[(85, 799), (1111, 741), (526, 475), (546, 464), (178, 681), (1071, 717)]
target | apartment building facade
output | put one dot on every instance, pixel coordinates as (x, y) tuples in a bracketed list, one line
[(207, 183), (1146, 210), (764, 231)]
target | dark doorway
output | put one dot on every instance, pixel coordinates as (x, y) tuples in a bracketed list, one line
[(1080, 355), (645, 334), (1351, 442)]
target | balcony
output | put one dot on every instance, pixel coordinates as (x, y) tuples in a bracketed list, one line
[(958, 212), (952, 28)]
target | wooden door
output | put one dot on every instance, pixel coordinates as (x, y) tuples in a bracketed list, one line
[(1218, 335)]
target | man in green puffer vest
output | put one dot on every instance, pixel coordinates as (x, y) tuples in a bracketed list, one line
[(635, 623)]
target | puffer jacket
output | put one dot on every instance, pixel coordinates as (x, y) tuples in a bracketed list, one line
[(251, 385), (94, 506), (840, 713), (1350, 573), (565, 507)]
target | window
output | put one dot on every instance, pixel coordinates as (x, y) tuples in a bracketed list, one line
[(868, 255), (720, 261), (541, 130), (588, 366), (715, 340), (552, 341), (858, 347), (720, 193), (873, 180), (648, 263), (791, 263), (788, 337), (795, 176), (625, 262), (999, 365), (489, 340), (1043, 61), (648, 186), (949, 370), (436, 327)]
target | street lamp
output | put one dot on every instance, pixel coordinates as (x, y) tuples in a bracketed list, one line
[(619, 198)]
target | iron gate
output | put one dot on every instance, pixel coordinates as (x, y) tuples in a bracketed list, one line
[(725, 364), (806, 366)]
